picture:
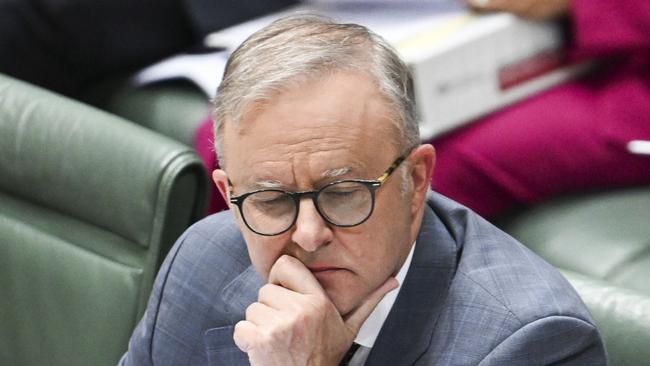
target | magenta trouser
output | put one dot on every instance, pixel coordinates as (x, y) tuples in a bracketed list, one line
[(570, 138)]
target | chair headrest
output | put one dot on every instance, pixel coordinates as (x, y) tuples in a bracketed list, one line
[(84, 162)]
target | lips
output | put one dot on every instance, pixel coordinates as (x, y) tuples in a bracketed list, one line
[(318, 269), (328, 276)]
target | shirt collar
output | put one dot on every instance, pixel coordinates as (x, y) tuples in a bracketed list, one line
[(371, 327)]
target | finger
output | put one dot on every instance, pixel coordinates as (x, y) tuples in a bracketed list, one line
[(277, 297), (261, 314), (355, 319), (245, 335), (292, 274)]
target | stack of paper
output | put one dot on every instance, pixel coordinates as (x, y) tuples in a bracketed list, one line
[(464, 65)]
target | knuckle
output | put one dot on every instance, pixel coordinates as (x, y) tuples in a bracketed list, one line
[(272, 336), (240, 337), (284, 260), (302, 318), (299, 318), (239, 326), (319, 305), (264, 291), (280, 263), (251, 309), (266, 336)]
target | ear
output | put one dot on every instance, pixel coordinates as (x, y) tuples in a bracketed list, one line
[(422, 161), (220, 179)]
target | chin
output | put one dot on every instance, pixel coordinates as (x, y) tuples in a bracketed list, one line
[(345, 302)]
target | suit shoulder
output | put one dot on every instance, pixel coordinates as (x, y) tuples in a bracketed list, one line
[(211, 250), (187, 296), (503, 270), (550, 340), (204, 260), (217, 234)]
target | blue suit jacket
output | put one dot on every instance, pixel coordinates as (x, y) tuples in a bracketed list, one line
[(472, 296)]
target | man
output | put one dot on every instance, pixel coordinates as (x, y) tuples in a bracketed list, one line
[(333, 239)]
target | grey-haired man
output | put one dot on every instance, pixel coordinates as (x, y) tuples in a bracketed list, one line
[(333, 237)]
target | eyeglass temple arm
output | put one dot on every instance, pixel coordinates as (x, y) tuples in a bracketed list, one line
[(391, 169), (232, 197)]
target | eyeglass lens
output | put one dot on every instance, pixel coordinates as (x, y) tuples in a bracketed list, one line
[(273, 211)]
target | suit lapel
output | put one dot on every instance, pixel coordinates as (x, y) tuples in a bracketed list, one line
[(242, 291), (407, 332), (237, 295)]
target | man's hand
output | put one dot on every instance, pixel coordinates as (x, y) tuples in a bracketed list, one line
[(531, 9), (295, 323)]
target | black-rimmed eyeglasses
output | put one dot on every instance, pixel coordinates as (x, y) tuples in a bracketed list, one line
[(343, 203)]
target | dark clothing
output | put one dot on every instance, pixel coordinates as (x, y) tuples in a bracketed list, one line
[(66, 45)]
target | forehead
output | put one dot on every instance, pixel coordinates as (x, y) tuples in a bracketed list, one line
[(339, 122)]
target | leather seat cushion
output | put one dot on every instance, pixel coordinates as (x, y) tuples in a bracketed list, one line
[(57, 289), (605, 235)]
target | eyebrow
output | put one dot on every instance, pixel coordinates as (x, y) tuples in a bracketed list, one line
[(275, 184), (337, 172), (262, 184)]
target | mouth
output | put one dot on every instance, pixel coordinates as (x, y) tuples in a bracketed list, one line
[(318, 269), (327, 275)]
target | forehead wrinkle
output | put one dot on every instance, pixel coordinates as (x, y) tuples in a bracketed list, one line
[(320, 139)]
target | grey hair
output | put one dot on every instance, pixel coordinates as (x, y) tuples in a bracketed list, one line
[(308, 46)]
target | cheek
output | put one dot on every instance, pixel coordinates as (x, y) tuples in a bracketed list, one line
[(379, 248), (387, 238), (385, 251), (263, 252)]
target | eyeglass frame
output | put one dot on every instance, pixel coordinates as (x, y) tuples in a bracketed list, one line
[(371, 184)]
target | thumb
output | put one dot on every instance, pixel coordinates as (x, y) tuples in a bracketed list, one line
[(355, 319)]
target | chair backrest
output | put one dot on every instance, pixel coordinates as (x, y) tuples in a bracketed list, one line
[(89, 206), (604, 235), (622, 315), (601, 242), (174, 108)]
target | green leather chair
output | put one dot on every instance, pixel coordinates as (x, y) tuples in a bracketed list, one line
[(89, 206), (601, 242), (174, 108), (622, 315)]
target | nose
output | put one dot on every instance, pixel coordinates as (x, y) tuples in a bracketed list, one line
[(311, 230)]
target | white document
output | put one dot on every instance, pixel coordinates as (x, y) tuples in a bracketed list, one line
[(393, 20), (464, 65), (204, 70)]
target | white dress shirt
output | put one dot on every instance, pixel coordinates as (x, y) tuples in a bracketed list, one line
[(371, 327)]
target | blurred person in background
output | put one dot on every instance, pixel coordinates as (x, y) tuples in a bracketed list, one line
[(571, 138), (66, 46), (574, 137)]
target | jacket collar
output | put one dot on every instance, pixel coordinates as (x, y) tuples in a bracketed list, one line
[(237, 296), (407, 332)]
